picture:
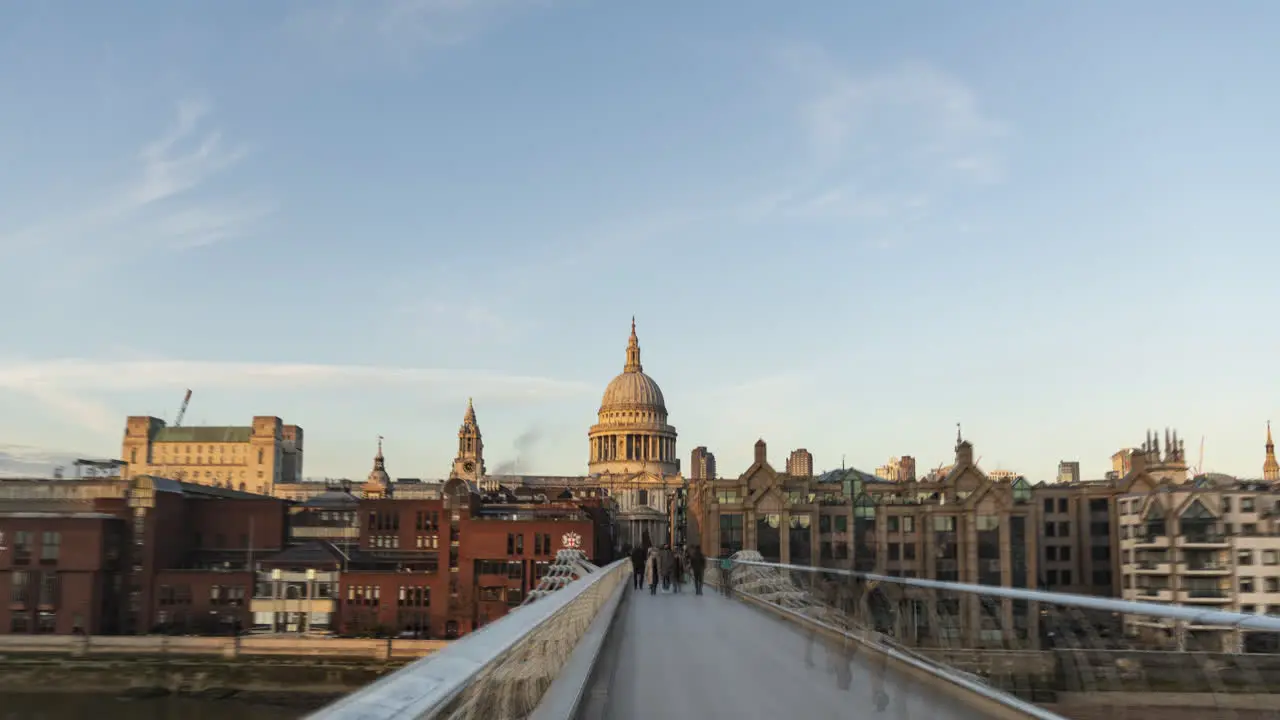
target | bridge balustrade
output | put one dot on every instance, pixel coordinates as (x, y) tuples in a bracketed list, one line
[(504, 670), (1037, 654)]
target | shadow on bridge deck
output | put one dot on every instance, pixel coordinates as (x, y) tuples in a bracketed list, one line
[(688, 656)]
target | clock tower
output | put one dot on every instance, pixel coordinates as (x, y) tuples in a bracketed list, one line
[(469, 464)]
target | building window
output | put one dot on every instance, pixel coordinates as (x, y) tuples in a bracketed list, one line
[(22, 541), (730, 533), (49, 590), (20, 586)]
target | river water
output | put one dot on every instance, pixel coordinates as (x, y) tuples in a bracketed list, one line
[(76, 706)]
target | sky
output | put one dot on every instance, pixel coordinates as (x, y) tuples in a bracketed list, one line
[(840, 226)]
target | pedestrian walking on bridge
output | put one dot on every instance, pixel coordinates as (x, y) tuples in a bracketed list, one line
[(697, 566)]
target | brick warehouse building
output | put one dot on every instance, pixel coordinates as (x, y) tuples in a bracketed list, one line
[(110, 555), (426, 568), (152, 555)]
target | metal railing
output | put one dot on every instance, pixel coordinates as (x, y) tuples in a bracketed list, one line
[(1041, 654), (499, 672)]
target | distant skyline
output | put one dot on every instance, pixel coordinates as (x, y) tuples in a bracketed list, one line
[(843, 227)]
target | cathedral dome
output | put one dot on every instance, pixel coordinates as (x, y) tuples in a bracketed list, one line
[(633, 390), (631, 434)]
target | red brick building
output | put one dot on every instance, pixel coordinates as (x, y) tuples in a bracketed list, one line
[(131, 556), (60, 572), (150, 555), (441, 568)]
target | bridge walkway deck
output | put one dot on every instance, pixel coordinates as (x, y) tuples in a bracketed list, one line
[(680, 655)]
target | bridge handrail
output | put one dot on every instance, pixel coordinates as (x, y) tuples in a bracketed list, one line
[(427, 686), (1239, 620)]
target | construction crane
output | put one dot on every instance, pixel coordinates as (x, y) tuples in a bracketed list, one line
[(182, 411)]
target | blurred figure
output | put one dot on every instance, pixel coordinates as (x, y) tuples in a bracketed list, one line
[(638, 556), (651, 570), (677, 572), (666, 565), (726, 571), (697, 566)]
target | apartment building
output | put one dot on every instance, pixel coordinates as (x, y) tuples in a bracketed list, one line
[(1079, 537), (1212, 542), (956, 524)]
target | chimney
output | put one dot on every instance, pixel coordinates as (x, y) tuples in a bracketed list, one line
[(964, 453), (761, 454), (1138, 462)]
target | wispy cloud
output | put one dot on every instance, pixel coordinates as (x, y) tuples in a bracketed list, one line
[(67, 386), (181, 159), (885, 145), (160, 200), (401, 27)]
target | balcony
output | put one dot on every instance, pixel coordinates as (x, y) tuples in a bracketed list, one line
[(1204, 596), (1145, 537), (1206, 568), (1203, 538), (1156, 567)]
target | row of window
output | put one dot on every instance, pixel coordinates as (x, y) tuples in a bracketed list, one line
[(27, 588), (293, 590), (501, 593), (162, 453), (541, 543), (513, 569), (24, 545), (408, 596)]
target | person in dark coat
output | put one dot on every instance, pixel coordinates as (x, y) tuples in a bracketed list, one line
[(637, 566), (697, 566), (666, 566), (677, 572)]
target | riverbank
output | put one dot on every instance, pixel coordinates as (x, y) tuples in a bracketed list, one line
[(310, 681), (79, 705)]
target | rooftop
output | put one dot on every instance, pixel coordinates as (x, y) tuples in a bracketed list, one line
[(205, 434)]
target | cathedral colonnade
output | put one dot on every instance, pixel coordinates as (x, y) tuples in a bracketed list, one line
[(633, 446)]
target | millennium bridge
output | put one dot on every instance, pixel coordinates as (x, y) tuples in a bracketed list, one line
[(767, 640)]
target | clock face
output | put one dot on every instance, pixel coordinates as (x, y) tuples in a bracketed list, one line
[(468, 466)]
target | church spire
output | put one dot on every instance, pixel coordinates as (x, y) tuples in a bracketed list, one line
[(633, 351), (379, 482), (1270, 468), (469, 462)]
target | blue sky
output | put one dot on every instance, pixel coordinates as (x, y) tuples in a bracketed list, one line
[(842, 226)]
